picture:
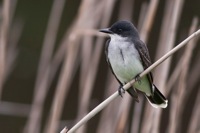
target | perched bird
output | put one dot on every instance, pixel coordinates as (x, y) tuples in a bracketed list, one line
[(127, 57)]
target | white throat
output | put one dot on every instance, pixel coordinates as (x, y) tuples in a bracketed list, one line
[(117, 38)]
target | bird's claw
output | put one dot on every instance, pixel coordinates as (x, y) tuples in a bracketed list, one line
[(121, 91), (138, 79)]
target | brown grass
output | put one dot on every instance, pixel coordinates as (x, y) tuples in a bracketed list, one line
[(79, 58)]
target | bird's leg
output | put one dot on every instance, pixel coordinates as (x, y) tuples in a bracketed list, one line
[(133, 92), (121, 90), (138, 78), (136, 95)]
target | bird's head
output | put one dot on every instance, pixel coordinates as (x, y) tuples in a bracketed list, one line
[(122, 29)]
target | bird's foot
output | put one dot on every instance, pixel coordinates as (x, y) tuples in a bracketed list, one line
[(121, 90), (138, 78)]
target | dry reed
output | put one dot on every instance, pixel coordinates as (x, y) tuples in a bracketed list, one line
[(79, 53)]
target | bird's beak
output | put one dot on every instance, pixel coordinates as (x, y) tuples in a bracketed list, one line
[(107, 30)]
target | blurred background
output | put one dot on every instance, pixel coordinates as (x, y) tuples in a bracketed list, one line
[(53, 69)]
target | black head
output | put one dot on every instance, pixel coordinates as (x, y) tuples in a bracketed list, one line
[(122, 28)]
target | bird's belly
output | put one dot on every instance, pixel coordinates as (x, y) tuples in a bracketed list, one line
[(126, 70), (126, 64), (126, 67)]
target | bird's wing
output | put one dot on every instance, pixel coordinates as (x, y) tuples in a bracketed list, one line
[(144, 55)]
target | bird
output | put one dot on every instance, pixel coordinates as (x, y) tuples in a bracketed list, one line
[(127, 56)]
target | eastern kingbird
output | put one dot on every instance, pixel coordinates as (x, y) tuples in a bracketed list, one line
[(127, 57)]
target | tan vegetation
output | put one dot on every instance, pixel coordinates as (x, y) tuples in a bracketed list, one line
[(74, 66)]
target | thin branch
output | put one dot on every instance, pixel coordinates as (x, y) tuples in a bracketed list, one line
[(179, 95), (149, 19), (15, 33), (195, 118), (129, 84), (108, 115), (94, 61), (67, 73), (123, 114), (4, 39), (71, 61), (12, 50), (166, 42), (14, 109), (176, 72), (64, 130), (195, 76), (42, 80), (143, 11), (174, 76), (137, 115)]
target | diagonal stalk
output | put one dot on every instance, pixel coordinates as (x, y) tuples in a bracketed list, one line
[(129, 84)]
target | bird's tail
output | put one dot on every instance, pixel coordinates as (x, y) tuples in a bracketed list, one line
[(156, 99)]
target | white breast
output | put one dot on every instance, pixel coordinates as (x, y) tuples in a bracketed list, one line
[(124, 58)]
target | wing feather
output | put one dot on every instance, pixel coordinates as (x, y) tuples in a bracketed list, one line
[(144, 55)]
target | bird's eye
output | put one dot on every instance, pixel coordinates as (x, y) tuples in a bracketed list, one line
[(120, 30)]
